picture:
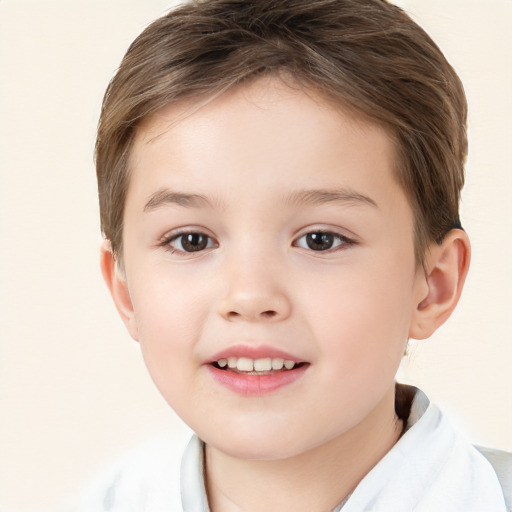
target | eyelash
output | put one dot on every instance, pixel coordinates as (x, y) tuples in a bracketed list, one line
[(338, 241)]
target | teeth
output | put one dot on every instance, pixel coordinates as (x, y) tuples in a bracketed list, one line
[(245, 364), (263, 365), (277, 364)]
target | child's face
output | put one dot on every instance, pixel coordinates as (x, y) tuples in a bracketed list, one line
[(298, 245)]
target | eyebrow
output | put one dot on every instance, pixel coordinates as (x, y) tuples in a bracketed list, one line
[(325, 196), (165, 197)]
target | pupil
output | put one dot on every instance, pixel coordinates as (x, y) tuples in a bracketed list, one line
[(192, 242), (319, 241)]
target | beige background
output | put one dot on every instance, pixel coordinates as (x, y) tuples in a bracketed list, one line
[(73, 389)]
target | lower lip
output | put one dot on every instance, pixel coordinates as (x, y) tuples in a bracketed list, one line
[(256, 385)]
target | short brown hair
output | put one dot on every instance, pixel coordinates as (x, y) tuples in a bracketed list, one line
[(365, 54)]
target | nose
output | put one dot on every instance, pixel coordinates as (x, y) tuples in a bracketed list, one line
[(255, 292)]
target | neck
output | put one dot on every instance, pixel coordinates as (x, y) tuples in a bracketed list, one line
[(316, 480)]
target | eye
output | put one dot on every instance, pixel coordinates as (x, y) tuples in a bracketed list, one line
[(322, 241), (190, 242)]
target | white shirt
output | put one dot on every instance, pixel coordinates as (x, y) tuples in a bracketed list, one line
[(432, 468)]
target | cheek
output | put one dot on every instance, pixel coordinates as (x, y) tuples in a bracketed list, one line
[(362, 316), (166, 305), (169, 315)]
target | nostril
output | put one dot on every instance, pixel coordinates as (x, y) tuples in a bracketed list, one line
[(266, 315)]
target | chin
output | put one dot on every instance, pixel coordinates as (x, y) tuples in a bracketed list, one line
[(259, 443)]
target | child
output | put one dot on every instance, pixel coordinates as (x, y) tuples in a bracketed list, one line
[(279, 185)]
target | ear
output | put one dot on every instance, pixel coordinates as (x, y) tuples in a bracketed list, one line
[(115, 279), (440, 283)]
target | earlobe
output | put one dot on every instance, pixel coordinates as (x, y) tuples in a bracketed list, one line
[(441, 284), (116, 282)]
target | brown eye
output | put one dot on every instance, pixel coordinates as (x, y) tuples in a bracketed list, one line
[(191, 242), (322, 241), (319, 241)]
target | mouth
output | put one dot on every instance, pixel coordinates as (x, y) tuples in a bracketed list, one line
[(262, 374), (262, 366)]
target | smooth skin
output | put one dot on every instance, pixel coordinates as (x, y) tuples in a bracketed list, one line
[(256, 178)]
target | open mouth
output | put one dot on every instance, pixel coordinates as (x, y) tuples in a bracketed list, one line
[(263, 366), (256, 371)]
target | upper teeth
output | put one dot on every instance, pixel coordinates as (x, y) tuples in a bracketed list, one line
[(245, 364)]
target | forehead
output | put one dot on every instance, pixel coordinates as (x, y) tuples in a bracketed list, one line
[(264, 130)]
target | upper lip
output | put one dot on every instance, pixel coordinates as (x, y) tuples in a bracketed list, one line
[(254, 352)]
